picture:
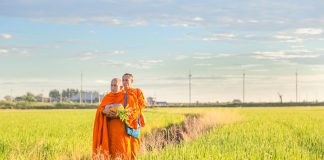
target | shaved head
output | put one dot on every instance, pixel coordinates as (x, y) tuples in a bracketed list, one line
[(128, 74), (128, 79), (116, 85), (118, 80)]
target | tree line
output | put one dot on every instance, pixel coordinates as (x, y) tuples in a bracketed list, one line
[(55, 95)]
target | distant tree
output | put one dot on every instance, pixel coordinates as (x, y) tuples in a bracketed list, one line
[(95, 93), (65, 94), (68, 93), (8, 98), (29, 97), (54, 94), (74, 92)]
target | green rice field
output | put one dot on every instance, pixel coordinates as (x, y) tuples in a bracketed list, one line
[(258, 133)]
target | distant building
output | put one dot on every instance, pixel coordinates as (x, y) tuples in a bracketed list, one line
[(41, 98), (236, 101), (87, 97), (161, 103), (150, 101), (19, 99)]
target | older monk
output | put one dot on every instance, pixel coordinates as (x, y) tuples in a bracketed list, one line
[(110, 140)]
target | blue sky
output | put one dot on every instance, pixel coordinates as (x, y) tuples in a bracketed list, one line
[(47, 44)]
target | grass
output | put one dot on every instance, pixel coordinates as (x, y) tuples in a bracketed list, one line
[(258, 133), (45, 105), (263, 133), (58, 134)]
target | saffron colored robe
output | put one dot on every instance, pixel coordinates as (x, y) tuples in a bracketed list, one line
[(110, 140), (133, 118)]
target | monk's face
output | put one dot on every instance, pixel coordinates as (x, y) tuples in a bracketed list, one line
[(127, 81), (115, 86)]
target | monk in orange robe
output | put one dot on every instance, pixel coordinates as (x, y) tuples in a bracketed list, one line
[(110, 140), (127, 83)]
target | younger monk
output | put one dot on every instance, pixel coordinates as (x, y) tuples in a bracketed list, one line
[(137, 116)]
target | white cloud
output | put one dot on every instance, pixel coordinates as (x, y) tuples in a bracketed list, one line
[(198, 19), (116, 21), (3, 51), (203, 56), (116, 52), (295, 40), (253, 21), (87, 55), (5, 36), (141, 64), (94, 54), (152, 61), (111, 21), (238, 21), (101, 81), (320, 49), (289, 39), (103, 20), (316, 67), (65, 20), (175, 21), (250, 36), (286, 54), (297, 46), (283, 37), (106, 20), (75, 41), (115, 63), (203, 64), (137, 23), (218, 37), (248, 66), (30, 81), (309, 31), (181, 57), (299, 35), (147, 64), (200, 56), (23, 51)]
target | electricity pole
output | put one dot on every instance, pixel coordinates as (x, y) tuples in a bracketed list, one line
[(81, 88), (243, 88), (296, 86), (190, 87)]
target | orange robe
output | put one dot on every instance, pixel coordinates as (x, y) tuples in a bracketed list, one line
[(140, 104), (109, 135), (110, 139)]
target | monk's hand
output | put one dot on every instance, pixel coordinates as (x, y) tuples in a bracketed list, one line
[(112, 114), (105, 111)]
